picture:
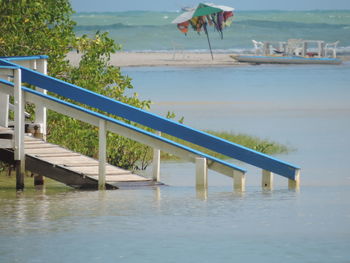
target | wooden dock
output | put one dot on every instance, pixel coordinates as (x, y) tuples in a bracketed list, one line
[(68, 167)]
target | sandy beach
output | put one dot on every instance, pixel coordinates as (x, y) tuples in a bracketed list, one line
[(179, 59), (182, 59)]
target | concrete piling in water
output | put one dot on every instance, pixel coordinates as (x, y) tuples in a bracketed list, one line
[(267, 180), (238, 181), (294, 184), (156, 162), (40, 114), (19, 129), (102, 147), (201, 173), (19, 166)]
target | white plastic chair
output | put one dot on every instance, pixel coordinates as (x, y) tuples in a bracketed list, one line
[(258, 47), (332, 47), (294, 47), (298, 51)]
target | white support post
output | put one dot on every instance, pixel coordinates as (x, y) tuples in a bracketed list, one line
[(304, 50), (19, 130), (294, 184), (102, 146), (283, 47), (267, 180), (156, 162), (40, 110), (320, 48), (4, 106), (267, 48), (201, 173), (335, 52), (238, 181), (4, 109)]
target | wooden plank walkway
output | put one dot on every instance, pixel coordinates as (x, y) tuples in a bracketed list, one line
[(69, 167)]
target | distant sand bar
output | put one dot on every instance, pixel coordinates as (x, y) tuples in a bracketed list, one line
[(180, 59), (144, 59)]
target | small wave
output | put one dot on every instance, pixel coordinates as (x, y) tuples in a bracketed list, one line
[(100, 27), (116, 26), (288, 24), (341, 51)]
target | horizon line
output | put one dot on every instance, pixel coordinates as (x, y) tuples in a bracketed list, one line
[(236, 10)]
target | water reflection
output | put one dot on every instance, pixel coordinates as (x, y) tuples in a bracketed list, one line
[(20, 211), (157, 195), (239, 193), (40, 187), (202, 193), (47, 212)]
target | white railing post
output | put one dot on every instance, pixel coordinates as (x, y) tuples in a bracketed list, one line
[(102, 146), (266, 48), (156, 162), (4, 105), (238, 181), (267, 180), (4, 109), (304, 50), (201, 173), (40, 110), (19, 130), (320, 45)]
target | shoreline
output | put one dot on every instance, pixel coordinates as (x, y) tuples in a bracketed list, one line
[(178, 59), (157, 59)]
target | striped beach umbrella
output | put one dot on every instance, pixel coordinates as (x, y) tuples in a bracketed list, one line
[(205, 14)]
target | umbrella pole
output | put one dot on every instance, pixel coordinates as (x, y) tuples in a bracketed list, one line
[(206, 32)]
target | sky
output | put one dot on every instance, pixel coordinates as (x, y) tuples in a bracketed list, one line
[(174, 5)]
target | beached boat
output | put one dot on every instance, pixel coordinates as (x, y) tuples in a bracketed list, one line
[(294, 51), (286, 59)]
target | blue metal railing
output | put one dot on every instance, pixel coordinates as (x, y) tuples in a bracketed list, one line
[(9, 67), (19, 58), (156, 122), (128, 126)]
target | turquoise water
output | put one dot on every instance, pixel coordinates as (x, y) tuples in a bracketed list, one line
[(306, 107), (146, 30)]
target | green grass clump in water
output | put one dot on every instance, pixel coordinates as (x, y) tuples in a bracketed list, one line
[(255, 143), (9, 183)]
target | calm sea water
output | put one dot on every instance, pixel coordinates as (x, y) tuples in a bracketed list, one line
[(142, 30), (306, 107)]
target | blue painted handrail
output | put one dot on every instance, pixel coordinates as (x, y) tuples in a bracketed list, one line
[(156, 122), (19, 58), (9, 67), (128, 126)]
